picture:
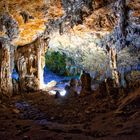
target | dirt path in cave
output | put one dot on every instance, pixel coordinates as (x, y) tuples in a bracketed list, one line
[(39, 116)]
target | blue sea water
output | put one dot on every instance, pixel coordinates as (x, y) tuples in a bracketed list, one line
[(61, 80)]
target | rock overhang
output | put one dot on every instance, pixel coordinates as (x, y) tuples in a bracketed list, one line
[(100, 23), (30, 32)]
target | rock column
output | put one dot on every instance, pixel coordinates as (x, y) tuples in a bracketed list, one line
[(41, 51), (113, 66), (6, 66)]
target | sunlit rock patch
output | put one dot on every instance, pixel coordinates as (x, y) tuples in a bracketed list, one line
[(103, 19), (2, 34), (135, 12), (29, 32), (36, 13), (81, 50)]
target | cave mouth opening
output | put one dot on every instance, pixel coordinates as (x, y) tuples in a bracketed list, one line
[(59, 69)]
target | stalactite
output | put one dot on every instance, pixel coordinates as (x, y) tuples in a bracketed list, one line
[(6, 6), (26, 16), (121, 36), (122, 22), (113, 63), (61, 28)]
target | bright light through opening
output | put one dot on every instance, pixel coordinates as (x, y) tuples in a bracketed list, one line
[(52, 92), (63, 92)]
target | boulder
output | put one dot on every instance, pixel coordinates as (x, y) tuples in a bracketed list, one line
[(72, 88)]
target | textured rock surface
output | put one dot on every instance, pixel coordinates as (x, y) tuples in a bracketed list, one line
[(30, 63), (6, 66), (109, 25), (9, 25), (85, 83), (83, 30)]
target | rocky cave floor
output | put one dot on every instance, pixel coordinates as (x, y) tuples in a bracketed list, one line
[(39, 116)]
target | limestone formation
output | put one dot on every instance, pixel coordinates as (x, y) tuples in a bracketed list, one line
[(26, 16), (113, 66), (6, 66), (9, 25), (30, 61), (72, 88), (41, 50)]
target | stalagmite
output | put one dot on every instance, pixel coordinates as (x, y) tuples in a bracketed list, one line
[(85, 83)]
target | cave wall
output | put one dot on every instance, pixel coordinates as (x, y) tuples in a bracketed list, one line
[(23, 52)]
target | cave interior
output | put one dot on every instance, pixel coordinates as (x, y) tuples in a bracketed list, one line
[(69, 69)]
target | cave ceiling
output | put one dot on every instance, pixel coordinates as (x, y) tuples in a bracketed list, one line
[(81, 28)]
